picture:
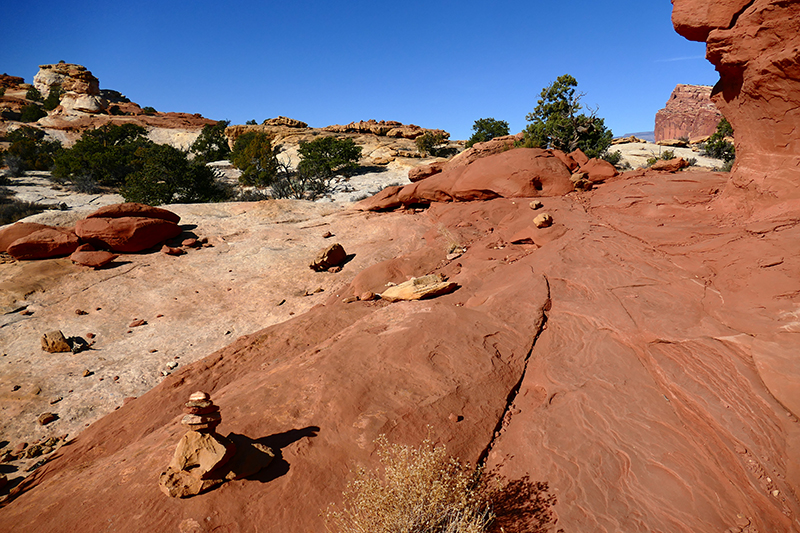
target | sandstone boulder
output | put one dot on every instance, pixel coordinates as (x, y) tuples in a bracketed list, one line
[(332, 256), (419, 288), (132, 209), (44, 243), (670, 165), (86, 255), (126, 234), (284, 121), (597, 170), (579, 157), (425, 171), (55, 342), (16, 231)]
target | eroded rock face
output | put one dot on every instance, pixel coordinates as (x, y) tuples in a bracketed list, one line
[(44, 243), (689, 113), (81, 88), (753, 45), (126, 234)]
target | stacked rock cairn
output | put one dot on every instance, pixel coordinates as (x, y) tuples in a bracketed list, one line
[(204, 459), (201, 413)]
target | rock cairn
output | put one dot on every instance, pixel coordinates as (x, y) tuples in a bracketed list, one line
[(204, 459), (201, 413)]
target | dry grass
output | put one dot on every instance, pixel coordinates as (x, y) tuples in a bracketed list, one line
[(421, 490)]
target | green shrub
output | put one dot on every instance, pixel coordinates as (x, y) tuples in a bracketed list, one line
[(147, 110), (30, 150), (14, 210), (164, 175), (419, 490), (430, 142), (251, 122), (2, 92), (211, 144), (486, 129), (106, 155), (115, 110), (717, 147), (33, 94), (32, 113), (326, 157), (667, 155), (255, 156), (54, 98), (555, 122)]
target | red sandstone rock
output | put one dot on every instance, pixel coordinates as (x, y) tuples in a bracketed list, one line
[(670, 165), (597, 170), (44, 243), (753, 46), (522, 172), (86, 255), (579, 157), (567, 160), (132, 209), (16, 231), (689, 113), (126, 234), (425, 171)]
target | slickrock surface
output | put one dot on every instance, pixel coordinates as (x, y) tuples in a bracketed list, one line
[(637, 355), (689, 113)]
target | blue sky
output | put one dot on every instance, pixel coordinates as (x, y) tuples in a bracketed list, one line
[(438, 64)]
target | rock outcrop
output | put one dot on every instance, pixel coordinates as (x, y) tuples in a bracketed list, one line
[(81, 89), (128, 227), (44, 243), (285, 121), (689, 113), (753, 45), (384, 128)]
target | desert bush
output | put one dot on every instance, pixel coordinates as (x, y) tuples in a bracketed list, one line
[(692, 161), (255, 156), (30, 150), (717, 147), (33, 95), (53, 98), (211, 144), (14, 210), (115, 110), (32, 113), (486, 129), (612, 157), (147, 110), (555, 122), (326, 157), (668, 155), (2, 92), (165, 175), (420, 489), (251, 122), (105, 154), (430, 142)]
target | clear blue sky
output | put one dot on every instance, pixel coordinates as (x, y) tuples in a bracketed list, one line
[(438, 64)]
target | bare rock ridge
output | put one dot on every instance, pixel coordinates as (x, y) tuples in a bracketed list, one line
[(689, 113), (754, 46)]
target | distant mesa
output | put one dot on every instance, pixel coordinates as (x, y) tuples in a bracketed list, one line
[(689, 113)]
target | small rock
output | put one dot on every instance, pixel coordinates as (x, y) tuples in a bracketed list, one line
[(55, 399), (172, 365), (55, 342), (367, 296), (543, 221), (115, 378), (136, 323), (15, 388), (90, 336), (536, 204), (80, 312), (169, 250), (199, 396), (46, 418), (191, 243), (418, 288), (86, 372), (327, 235), (335, 269), (350, 299), (26, 312), (204, 240), (333, 255), (283, 301)]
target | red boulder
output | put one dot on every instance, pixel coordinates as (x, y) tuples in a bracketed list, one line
[(132, 209), (44, 243), (126, 234), (16, 231), (579, 156), (598, 170)]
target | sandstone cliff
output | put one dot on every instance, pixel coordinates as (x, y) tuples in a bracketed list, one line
[(754, 46), (689, 113)]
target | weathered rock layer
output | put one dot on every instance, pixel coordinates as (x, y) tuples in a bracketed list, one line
[(689, 113)]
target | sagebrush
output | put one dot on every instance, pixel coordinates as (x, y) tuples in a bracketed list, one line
[(420, 490)]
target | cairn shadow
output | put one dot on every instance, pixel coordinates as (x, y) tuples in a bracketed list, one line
[(279, 466)]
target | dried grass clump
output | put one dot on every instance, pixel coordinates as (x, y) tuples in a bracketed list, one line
[(422, 490)]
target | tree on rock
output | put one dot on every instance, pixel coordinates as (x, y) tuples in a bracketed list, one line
[(326, 157), (486, 129), (255, 156), (211, 144), (556, 123)]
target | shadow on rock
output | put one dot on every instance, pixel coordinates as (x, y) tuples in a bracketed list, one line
[(524, 506), (279, 467)]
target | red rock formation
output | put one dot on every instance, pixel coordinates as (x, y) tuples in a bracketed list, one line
[(126, 234), (689, 113), (754, 46), (133, 209), (44, 243), (15, 231)]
